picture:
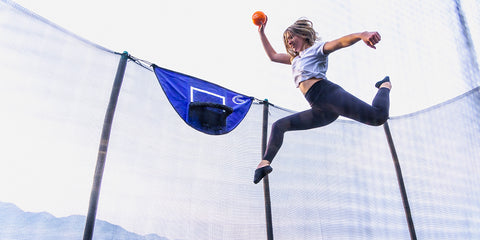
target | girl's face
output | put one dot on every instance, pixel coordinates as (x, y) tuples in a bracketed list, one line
[(295, 42)]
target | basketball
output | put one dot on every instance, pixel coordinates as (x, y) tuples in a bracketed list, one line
[(259, 18)]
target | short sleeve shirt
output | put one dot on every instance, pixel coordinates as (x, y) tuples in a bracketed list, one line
[(310, 63)]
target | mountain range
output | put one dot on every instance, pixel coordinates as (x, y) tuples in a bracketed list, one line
[(20, 225)]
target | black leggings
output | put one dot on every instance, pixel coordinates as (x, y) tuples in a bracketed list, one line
[(328, 102)]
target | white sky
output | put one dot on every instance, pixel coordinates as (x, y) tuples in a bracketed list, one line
[(216, 41), (212, 40)]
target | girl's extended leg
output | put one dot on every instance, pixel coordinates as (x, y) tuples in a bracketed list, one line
[(308, 119)]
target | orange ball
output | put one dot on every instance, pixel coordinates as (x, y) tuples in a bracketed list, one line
[(259, 18)]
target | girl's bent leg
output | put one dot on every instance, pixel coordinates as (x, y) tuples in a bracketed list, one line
[(350, 106), (381, 102)]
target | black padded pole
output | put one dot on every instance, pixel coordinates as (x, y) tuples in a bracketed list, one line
[(266, 186), (403, 191), (102, 152)]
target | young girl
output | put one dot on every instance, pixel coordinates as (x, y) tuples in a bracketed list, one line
[(309, 60)]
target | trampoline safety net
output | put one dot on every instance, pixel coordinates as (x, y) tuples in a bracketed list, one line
[(165, 180)]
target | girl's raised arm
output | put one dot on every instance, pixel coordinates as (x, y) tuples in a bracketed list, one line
[(272, 54), (370, 38)]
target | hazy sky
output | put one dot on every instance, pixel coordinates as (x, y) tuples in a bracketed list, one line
[(216, 41), (212, 40)]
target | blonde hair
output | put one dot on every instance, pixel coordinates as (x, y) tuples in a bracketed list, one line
[(302, 28)]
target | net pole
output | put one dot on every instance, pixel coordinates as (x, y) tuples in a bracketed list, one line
[(266, 185), (102, 152), (403, 191), (471, 63)]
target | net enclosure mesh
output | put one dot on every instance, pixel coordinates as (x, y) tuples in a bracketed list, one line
[(165, 180)]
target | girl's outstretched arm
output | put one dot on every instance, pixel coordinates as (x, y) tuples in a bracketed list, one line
[(370, 38), (272, 54)]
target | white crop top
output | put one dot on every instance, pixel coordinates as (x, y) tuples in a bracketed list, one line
[(310, 63)]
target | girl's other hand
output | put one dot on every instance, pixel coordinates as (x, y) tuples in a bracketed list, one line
[(371, 38)]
